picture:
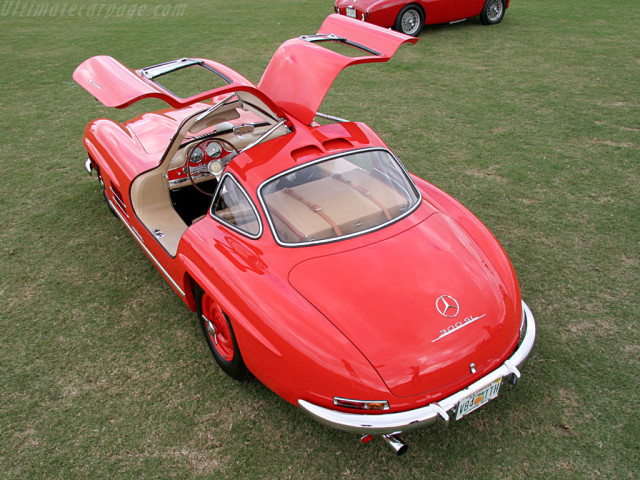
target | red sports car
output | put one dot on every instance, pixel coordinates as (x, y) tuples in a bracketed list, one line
[(410, 17), (362, 294)]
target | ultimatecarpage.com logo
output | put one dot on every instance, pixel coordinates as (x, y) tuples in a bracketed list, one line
[(18, 8)]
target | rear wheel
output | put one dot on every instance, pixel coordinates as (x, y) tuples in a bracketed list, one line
[(219, 334), (492, 12), (410, 20)]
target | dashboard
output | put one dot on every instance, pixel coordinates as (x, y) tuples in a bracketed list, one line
[(199, 155)]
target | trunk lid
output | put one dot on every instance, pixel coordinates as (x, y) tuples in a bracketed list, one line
[(422, 306)]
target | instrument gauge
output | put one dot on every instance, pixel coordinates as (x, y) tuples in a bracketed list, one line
[(214, 149), (196, 155)]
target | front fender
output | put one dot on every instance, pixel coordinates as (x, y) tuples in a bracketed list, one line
[(385, 12), (114, 147)]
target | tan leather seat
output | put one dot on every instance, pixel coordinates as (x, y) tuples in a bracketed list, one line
[(333, 206)]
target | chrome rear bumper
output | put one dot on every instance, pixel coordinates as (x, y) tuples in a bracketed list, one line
[(438, 412)]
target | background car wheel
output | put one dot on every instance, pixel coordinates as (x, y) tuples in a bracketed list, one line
[(410, 20), (492, 12), (218, 331)]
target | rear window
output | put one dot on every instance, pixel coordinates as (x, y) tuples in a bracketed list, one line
[(338, 197)]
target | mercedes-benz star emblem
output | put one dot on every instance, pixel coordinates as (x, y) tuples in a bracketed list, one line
[(447, 306)]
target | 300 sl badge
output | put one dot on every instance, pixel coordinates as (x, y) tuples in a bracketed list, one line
[(457, 326)]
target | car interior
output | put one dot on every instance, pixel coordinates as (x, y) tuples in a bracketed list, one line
[(178, 192)]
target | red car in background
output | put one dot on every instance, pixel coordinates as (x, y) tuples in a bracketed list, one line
[(356, 291), (410, 17)]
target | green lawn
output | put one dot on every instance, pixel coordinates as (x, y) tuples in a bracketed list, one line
[(534, 124)]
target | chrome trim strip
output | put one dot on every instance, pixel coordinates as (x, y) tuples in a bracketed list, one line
[(162, 68), (136, 234), (384, 424), (177, 181), (321, 37), (264, 136), (138, 239), (215, 107), (331, 117), (197, 173), (119, 202), (337, 400)]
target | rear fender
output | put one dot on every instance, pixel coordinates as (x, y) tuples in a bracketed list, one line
[(285, 342), (481, 235)]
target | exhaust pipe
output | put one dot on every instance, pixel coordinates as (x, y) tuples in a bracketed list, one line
[(396, 443)]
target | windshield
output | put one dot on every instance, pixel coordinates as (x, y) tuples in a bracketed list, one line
[(338, 197)]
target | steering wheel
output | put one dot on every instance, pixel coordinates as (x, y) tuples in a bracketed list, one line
[(233, 154)]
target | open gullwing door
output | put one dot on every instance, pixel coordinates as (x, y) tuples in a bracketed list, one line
[(302, 70), (115, 85), (296, 80)]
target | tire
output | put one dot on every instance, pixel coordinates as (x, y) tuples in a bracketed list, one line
[(219, 334), (410, 20), (492, 12)]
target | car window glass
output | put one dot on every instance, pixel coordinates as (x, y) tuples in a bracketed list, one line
[(233, 207), (339, 197)]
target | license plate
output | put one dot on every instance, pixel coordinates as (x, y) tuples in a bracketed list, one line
[(477, 399), (351, 12)]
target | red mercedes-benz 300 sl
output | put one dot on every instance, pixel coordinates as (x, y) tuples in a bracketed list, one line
[(362, 294)]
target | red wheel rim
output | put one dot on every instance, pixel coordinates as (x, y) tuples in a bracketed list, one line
[(217, 328)]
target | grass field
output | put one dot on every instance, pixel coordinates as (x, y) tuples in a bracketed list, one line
[(534, 124)]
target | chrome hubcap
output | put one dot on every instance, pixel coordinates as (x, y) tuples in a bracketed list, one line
[(494, 10), (410, 22), (218, 329), (211, 328)]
